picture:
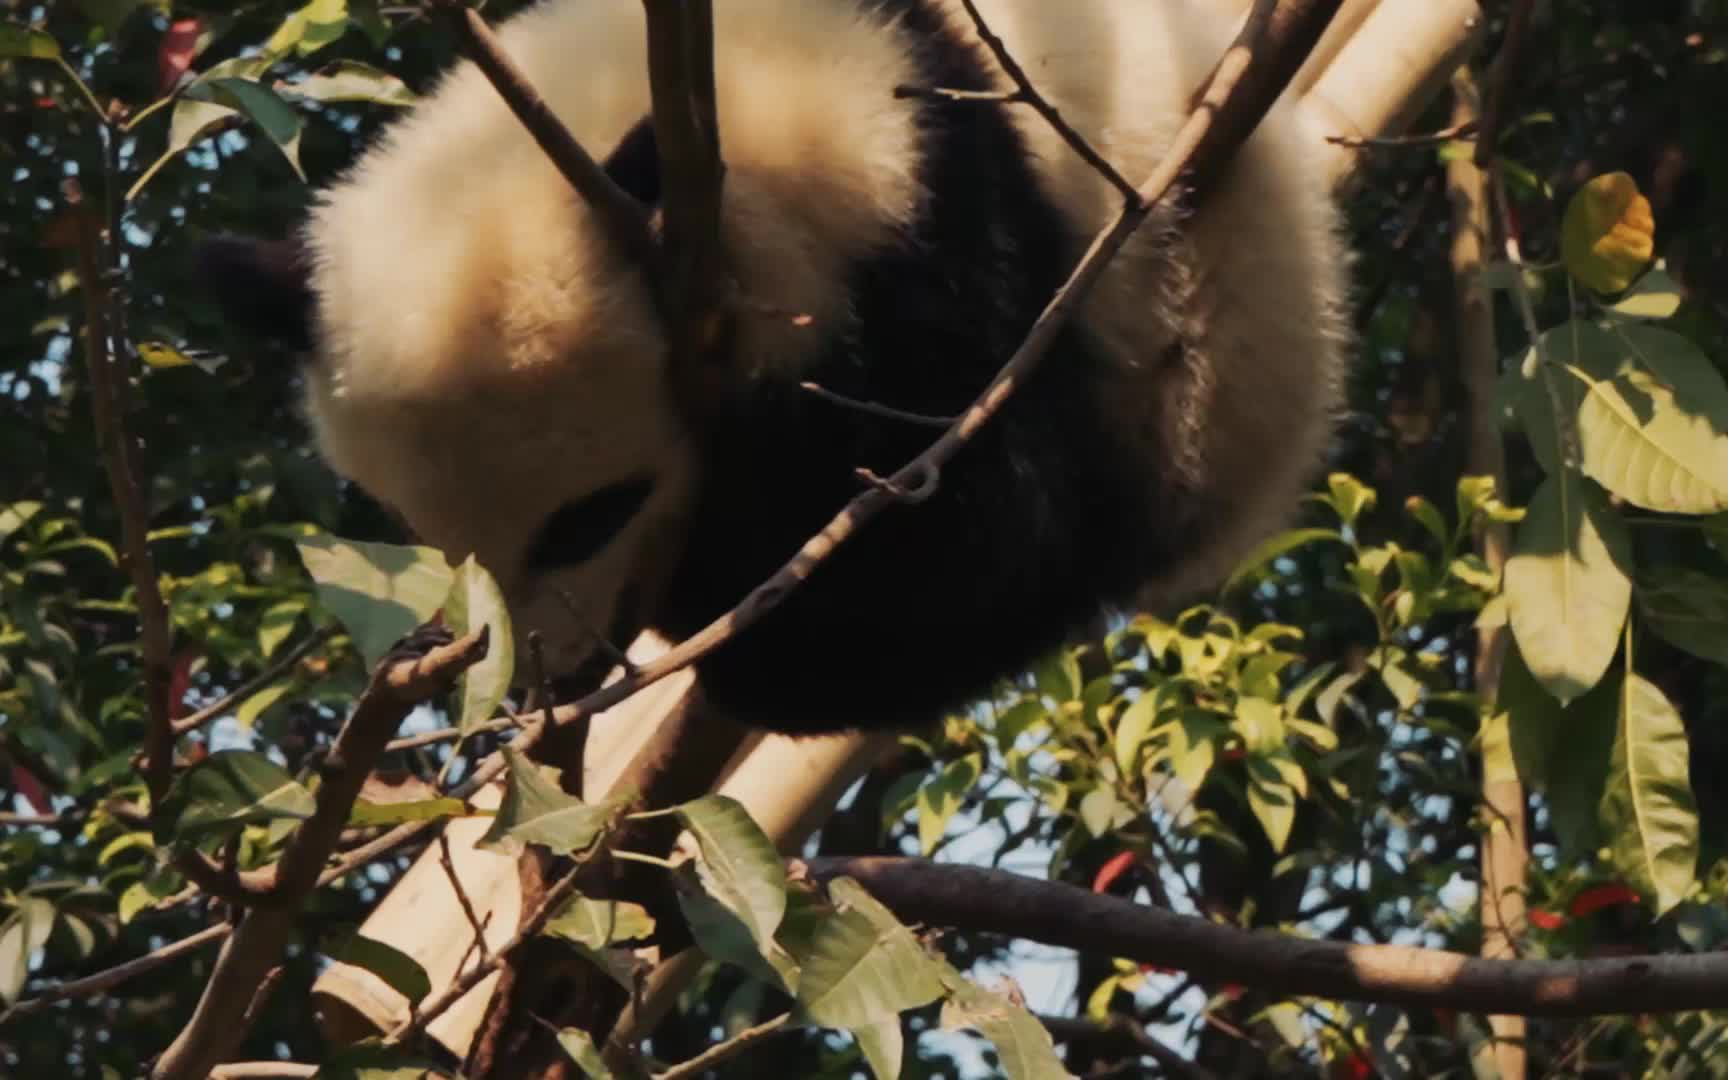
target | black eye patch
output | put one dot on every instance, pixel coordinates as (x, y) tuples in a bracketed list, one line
[(576, 531)]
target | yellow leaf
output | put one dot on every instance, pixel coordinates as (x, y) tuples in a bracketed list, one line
[(1609, 233)]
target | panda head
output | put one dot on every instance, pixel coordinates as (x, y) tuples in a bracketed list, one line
[(494, 373)]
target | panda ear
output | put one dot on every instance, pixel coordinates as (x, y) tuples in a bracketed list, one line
[(634, 163), (263, 287)]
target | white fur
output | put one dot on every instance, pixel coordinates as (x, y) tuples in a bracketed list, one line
[(485, 357)]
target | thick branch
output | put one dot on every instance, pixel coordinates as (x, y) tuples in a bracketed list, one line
[(217, 1025), (120, 458), (996, 901)]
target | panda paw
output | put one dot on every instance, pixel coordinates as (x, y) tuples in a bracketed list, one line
[(418, 642)]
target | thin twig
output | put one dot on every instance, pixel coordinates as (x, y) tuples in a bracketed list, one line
[(468, 980), (1126, 1037), (727, 1050), (1465, 130), (474, 922), (1041, 105), (262, 1070), (109, 978), (126, 485), (440, 735), (216, 1028), (871, 408), (193, 721), (959, 97)]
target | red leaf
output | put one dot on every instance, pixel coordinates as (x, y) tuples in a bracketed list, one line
[(24, 782), (1597, 897), (179, 682), (174, 55), (1355, 1067), (1543, 919), (1119, 864)]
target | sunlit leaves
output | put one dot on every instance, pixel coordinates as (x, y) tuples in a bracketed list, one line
[(1567, 587), (258, 103), (22, 933), (18, 41), (940, 799), (580, 1046), (379, 591), (1608, 234), (349, 80), (1648, 812)]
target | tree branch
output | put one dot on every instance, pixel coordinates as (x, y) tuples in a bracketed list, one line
[(623, 218), (126, 484), (1501, 80), (196, 720), (996, 901), (217, 1025)]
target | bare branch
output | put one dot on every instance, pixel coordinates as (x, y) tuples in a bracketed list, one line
[(725, 1051), (871, 408), (119, 973), (456, 886), (1123, 1036), (196, 720), (623, 218), (1029, 94), (1053, 913), (1463, 130), (126, 484), (217, 1025), (262, 1070)]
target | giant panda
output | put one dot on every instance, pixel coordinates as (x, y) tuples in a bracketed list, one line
[(482, 360)]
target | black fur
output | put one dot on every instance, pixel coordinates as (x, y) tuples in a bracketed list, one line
[(1040, 518), (262, 286), (634, 163), (576, 531)]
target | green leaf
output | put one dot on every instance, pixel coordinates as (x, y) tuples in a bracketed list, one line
[(739, 866), (24, 932), (863, 967), (1577, 776), (1638, 442), (883, 1045), (722, 934), (228, 789), (18, 41), (400, 972), (258, 103), (255, 706), (1274, 548), (1648, 810), (350, 80), (1022, 1043), (475, 600), (1688, 609), (598, 924), (534, 810), (277, 622), (580, 1046), (379, 591), (1535, 720), (1133, 728), (195, 118), (942, 797), (1566, 586), (309, 29), (1274, 782), (1102, 812), (367, 814), (14, 516), (1348, 496), (1549, 398), (1193, 745)]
